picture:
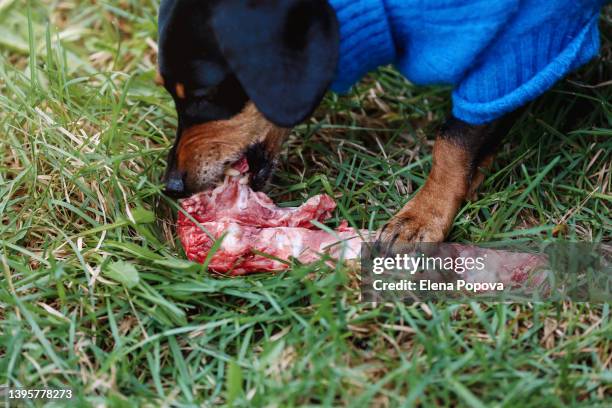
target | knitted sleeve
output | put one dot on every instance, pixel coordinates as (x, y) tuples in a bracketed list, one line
[(537, 50)]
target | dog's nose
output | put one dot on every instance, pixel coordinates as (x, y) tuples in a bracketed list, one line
[(175, 186)]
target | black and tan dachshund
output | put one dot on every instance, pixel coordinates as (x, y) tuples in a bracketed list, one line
[(242, 73)]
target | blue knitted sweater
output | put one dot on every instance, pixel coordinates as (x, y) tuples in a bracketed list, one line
[(498, 54)]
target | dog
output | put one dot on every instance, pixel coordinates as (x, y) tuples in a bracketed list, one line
[(242, 73)]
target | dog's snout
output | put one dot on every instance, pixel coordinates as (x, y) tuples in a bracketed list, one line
[(202, 152), (175, 185)]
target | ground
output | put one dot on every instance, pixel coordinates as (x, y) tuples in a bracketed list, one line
[(95, 293)]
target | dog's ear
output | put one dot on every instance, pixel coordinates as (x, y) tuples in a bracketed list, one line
[(283, 52)]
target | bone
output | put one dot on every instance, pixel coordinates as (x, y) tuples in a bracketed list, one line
[(231, 172)]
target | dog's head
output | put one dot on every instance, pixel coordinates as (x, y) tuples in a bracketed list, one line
[(241, 72)]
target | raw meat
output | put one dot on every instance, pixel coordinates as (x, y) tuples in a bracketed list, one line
[(253, 225), (508, 267), (258, 236)]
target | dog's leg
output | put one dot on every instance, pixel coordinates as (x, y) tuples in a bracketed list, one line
[(459, 152), (479, 175)]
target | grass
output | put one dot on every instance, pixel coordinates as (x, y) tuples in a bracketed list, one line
[(95, 293)]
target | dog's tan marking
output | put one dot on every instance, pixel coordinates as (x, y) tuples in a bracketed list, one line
[(159, 79), (204, 150), (429, 216), (479, 176), (180, 90)]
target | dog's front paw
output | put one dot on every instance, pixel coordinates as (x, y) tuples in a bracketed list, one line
[(412, 225)]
